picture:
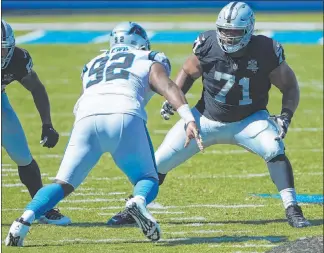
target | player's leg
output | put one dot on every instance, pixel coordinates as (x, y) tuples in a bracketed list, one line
[(257, 134), (135, 157), (15, 143), (82, 153), (171, 153)]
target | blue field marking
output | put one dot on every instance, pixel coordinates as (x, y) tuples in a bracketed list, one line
[(174, 37), (301, 198)]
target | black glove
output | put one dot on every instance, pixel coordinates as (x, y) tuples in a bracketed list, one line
[(166, 110), (49, 136), (283, 122)]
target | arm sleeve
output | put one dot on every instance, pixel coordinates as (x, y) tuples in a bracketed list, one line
[(161, 58)]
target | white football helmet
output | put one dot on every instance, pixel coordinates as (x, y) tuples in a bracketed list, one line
[(7, 43), (234, 26), (129, 34)]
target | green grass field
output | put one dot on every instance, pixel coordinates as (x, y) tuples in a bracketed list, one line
[(199, 197), (181, 17)]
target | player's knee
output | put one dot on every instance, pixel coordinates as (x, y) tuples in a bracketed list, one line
[(272, 149), (280, 157), (161, 178), (67, 188)]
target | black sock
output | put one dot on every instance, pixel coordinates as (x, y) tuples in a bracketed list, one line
[(31, 177), (161, 178), (281, 172)]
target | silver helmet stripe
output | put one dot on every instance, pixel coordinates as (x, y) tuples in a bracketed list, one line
[(229, 17)]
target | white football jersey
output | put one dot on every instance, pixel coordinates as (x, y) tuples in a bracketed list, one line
[(117, 81)]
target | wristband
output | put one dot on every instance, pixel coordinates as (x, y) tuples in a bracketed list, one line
[(185, 113), (287, 113)]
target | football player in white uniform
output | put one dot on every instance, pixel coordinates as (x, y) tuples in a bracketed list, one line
[(110, 117)]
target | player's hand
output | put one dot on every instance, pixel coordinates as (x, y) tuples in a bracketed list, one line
[(283, 122), (192, 132), (166, 110), (49, 136)]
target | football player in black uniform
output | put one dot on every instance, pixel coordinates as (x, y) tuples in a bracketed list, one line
[(17, 65), (237, 70)]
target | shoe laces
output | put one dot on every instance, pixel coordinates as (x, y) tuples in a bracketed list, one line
[(54, 214), (295, 212)]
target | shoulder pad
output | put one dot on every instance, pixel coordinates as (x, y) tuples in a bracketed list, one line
[(279, 52), (25, 59), (161, 58), (203, 43)]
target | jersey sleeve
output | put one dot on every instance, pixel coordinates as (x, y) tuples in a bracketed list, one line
[(202, 45), (84, 69), (24, 64), (161, 58), (277, 55)]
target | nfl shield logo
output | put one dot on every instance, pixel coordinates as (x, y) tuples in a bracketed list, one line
[(253, 66)]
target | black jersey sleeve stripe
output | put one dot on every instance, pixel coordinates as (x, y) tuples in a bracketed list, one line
[(151, 55), (230, 12)]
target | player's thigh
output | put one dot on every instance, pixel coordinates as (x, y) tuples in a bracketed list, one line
[(257, 134), (171, 153), (82, 153), (134, 154), (13, 136)]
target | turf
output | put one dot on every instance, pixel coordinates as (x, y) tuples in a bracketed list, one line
[(182, 17)]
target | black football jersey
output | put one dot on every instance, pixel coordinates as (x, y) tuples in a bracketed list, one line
[(19, 66), (234, 88)]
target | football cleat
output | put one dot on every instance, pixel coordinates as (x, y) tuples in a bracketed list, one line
[(122, 218), (17, 233), (54, 217), (136, 207), (296, 218)]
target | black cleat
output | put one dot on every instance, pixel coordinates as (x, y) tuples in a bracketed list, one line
[(54, 217), (296, 218), (122, 218)]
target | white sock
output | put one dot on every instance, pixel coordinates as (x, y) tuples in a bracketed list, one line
[(141, 199), (288, 197), (28, 216)]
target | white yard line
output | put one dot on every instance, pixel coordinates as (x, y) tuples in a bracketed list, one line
[(97, 193), (188, 218), (90, 200), (245, 245), (164, 208), (30, 37)]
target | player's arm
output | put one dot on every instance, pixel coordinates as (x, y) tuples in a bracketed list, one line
[(189, 73), (31, 82), (163, 85), (284, 78)]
